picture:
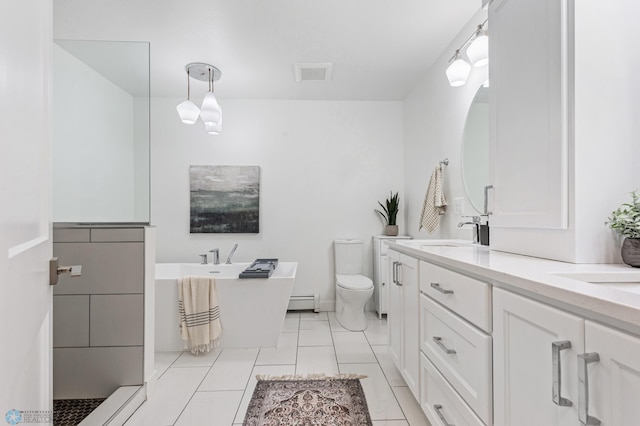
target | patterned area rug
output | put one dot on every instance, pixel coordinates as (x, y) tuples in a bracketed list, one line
[(309, 402), (70, 412)]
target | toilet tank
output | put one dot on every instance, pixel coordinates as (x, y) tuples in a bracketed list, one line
[(348, 256)]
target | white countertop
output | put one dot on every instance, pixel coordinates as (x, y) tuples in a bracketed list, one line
[(538, 278)]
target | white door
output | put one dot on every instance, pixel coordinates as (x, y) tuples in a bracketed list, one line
[(410, 354), (524, 332), (394, 314), (613, 382), (25, 214)]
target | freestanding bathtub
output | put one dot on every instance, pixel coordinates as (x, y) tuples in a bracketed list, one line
[(252, 310)]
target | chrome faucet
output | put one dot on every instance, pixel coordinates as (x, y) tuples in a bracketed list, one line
[(203, 259), (233, 250), (216, 256), (475, 220)]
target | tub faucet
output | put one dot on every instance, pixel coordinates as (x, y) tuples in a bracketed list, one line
[(233, 250), (216, 256)]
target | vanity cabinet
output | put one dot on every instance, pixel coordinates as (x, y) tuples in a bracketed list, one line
[(381, 275), (529, 110), (555, 368), (455, 315), (403, 318)]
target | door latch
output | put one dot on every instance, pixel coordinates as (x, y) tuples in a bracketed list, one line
[(55, 269)]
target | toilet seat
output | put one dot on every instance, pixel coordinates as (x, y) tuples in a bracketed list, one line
[(354, 282)]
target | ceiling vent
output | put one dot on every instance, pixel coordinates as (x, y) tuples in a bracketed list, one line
[(313, 71)]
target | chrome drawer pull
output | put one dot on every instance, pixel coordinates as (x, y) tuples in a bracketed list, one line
[(556, 374), (438, 341), (438, 409), (440, 289), (583, 390)]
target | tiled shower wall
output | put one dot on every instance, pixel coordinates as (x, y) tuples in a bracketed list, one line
[(98, 317)]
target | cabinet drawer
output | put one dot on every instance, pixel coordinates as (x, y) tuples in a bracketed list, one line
[(440, 403), (461, 352), (467, 297)]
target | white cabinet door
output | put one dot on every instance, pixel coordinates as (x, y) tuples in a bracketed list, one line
[(611, 384), (410, 356), (394, 314), (524, 371), (382, 305), (529, 112)]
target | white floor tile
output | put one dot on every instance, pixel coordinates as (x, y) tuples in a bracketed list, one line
[(217, 408), (291, 322), (267, 370), (390, 371), (333, 322), (380, 398), (175, 389), (390, 423), (163, 360), (285, 353), (206, 359), (371, 315), (231, 370), (316, 360), (352, 347), (376, 332), (314, 333), (410, 407), (313, 316)]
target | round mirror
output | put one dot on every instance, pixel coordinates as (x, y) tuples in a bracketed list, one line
[(475, 149)]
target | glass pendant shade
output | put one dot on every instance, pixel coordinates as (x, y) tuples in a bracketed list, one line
[(210, 111), (478, 51), (188, 112), (458, 71), (214, 129)]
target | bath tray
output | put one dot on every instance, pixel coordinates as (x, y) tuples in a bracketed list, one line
[(260, 268)]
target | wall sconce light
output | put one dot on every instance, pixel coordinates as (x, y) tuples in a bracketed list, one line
[(477, 52), (210, 111)]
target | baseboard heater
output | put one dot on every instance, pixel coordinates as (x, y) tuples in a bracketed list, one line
[(304, 303)]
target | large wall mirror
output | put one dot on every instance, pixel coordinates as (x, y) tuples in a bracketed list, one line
[(475, 149), (100, 132)]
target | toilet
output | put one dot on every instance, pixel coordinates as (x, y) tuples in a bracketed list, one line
[(353, 289)]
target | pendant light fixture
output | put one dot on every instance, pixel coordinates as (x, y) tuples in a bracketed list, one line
[(210, 111), (478, 53), (187, 110), (478, 50)]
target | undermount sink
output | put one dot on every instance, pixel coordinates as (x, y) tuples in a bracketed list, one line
[(443, 243), (623, 280)]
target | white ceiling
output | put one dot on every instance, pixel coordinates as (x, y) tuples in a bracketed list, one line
[(379, 48)]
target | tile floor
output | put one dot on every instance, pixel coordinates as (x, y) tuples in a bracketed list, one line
[(215, 388)]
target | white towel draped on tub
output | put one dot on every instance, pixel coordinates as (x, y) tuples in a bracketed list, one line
[(199, 313), (435, 203)]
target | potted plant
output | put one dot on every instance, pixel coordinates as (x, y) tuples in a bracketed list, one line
[(390, 213), (625, 220)]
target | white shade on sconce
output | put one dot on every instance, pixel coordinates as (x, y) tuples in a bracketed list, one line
[(214, 129), (458, 70), (210, 112), (188, 112), (478, 50)]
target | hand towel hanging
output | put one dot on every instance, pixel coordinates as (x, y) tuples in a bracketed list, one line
[(200, 325), (435, 202)]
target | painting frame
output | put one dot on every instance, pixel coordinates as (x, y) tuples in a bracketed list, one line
[(224, 199)]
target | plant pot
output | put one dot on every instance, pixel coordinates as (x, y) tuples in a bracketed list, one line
[(631, 252), (391, 230)]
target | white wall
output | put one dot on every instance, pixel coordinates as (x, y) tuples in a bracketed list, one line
[(434, 119), (93, 144), (324, 165)]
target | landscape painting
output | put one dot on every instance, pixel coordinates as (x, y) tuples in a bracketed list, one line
[(225, 199)]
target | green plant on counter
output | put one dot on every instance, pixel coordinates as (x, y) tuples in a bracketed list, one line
[(390, 209), (625, 220)]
